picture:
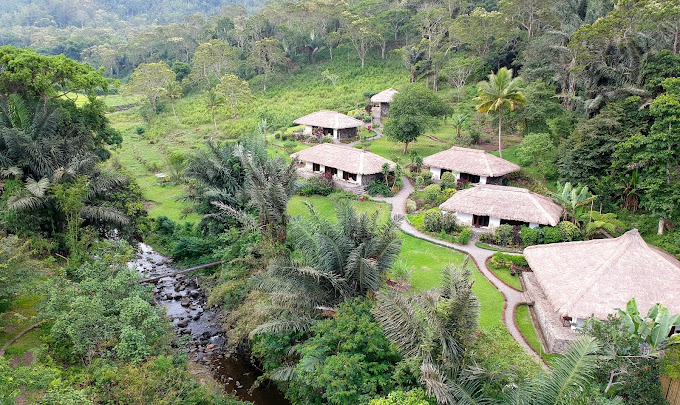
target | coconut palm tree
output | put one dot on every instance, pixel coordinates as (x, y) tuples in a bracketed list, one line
[(214, 99), (500, 91)]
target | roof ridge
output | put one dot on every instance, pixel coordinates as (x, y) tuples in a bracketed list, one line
[(488, 166), (595, 275), (540, 207)]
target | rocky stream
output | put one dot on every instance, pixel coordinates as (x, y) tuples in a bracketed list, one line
[(185, 306)]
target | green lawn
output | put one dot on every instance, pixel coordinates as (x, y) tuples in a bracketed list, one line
[(503, 272), (395, 150), (527, 329), (325, 206)]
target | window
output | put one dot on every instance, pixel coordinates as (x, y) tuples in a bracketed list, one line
[(566, 321), (480, 220), (470, 178), (513, 223), (349, 176), (316, 167), (332, 170)]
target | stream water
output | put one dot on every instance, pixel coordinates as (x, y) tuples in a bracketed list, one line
[(184, 304)]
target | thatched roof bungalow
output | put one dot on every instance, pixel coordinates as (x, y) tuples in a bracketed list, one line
[(574, 281), (486, 206), (382, 101), (343, 162), (472, 165), (335, 124)]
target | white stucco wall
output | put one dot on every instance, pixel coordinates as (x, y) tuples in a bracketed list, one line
[(494, 222), (308, 130), (482, 179), (436, 173), (533, 225), (464, 218), (335, 133), (322, 169)]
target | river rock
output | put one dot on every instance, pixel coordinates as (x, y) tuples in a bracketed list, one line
[(168, 296), (210, 347), (185, 302), (183, 323), (194, 293), (193, 307)]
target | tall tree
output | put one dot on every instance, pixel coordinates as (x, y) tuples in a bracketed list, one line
[(267, 54), (214, 99), (362, 34), (236, 91), (499, 92), (412, 111), (151, 80), (211, 61)]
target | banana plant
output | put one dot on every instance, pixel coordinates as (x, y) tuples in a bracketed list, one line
[(652, 329)]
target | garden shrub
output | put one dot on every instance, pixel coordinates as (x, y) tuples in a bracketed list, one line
[(140, 130), (432, 193), (503, 235), (427, 176), (464, 236), (433, 220), (448, 193), (448, 180), (411, 207), (549, 234), (420, 181), (379, 187), (321, 185), (529, 236), (450, 223), (568, 231), (503, 259)]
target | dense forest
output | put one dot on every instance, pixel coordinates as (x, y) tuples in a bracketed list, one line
[(171, 123)]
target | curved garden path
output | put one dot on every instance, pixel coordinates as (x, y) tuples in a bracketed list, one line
[(479, 256)]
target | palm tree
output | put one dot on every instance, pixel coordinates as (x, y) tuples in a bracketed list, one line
[(330, 263), (572, 199), (458, 123), (500, 91), (173, 92), (214, 99), (435, 327), (563, 384)]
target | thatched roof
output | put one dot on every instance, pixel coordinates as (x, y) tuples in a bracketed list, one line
[(517, 204), (384, 96), (329, 119), (592, 278), (344, 158), (473, 161)]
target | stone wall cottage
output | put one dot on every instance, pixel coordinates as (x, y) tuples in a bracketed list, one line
[(381, 102), (331, 123)]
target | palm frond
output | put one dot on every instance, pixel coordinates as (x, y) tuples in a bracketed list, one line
[(104, 214)]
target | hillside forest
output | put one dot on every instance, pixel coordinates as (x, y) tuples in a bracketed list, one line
[(170, 123)]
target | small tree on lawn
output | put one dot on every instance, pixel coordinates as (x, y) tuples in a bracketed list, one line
[(413, 111)]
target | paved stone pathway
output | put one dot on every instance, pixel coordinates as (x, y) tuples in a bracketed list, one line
[(479, 256), (377, 135)]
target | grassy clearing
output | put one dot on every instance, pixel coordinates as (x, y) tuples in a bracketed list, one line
[(503, 272), (395, 151), (18, 317)]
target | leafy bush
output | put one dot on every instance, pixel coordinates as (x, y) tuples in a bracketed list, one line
[(529, 236), (401, 270), (549, 234), (432, 193), (569, 232), (427, 176), (379, 188), (503, 259), (321, 185), (464, 236), (414, 397), (503, 235), (448, 193), (448, 180), (433, 220), (140, 129), (289, 145), (450, 223), (420, 181), (411, 207)]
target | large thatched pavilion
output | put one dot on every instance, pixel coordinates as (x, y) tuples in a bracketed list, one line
[(574, 281), (472, 165), (343, 162), (488, 206), (331, 123)]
